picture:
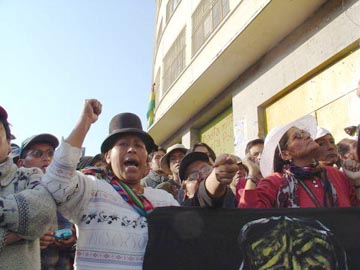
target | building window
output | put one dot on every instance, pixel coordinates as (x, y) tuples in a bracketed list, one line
[(170, 8), (174, 60), (205, 19), (158, 36)]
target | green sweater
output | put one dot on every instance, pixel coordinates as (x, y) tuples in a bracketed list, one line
[(27, 209)]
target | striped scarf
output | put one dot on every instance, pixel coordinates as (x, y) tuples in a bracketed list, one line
[(135, 199), (288, 194)]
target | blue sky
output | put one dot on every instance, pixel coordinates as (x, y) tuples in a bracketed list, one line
[(54, 54)]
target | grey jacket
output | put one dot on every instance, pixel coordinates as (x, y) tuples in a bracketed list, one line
[(27, 209), (153, 179)]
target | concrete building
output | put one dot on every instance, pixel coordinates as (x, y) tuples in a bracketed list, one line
[(227, 71)]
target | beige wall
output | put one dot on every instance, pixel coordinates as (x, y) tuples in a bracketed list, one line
[(293, 65), (300, 62), (328, 95)]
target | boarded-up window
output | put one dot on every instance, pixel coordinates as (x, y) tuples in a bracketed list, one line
[(330, 96), (219, 133)]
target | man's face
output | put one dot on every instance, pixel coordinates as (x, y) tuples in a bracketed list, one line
[(174, 160), (127, 159), (327, 152), (255, 152), (155, 161), (5, 147), (198, 171), (38, 155)]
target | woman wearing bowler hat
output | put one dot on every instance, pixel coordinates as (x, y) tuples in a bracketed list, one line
[(109, 206), (292, 176)]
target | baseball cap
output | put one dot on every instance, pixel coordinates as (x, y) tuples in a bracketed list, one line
[(40, 138)]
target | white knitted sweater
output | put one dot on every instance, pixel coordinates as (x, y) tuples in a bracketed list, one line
[(111, 234)]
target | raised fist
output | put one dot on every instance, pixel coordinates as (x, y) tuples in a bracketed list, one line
[(92, 110)]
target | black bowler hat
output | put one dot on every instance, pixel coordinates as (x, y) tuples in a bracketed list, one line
[(126, 123)]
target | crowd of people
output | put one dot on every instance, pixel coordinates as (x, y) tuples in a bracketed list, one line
[(59, 209)]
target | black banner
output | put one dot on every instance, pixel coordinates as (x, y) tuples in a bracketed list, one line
[(195, 238)]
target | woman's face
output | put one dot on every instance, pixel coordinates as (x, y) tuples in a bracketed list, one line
[(127, 159), (300, 146)]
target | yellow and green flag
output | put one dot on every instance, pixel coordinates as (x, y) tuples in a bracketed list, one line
[(151, 109)]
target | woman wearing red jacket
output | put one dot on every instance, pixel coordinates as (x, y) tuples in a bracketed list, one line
[(293, 178)]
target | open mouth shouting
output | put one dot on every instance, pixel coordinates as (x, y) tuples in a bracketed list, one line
[(132, 169), (131, 163)]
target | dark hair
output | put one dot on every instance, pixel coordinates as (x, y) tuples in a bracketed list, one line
[(253, 143), (98, 158), (157, 149), (7, 128), (211, 152), (87, 161), (278, 161)]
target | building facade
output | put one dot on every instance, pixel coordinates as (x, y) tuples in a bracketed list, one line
[(227, 71)]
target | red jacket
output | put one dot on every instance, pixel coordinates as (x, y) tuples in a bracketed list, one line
[(264, 196)]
